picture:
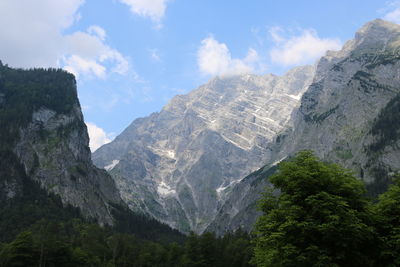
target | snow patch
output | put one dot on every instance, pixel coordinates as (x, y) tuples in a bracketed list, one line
[(163, 152), (171, 153), (165, 190), (220, 189), (111, 165), (297, 97)]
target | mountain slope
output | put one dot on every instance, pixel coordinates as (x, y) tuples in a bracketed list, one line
[(180, 164), (43, 130), (44, 135), (342, 114), (348, 115), (46, 173)]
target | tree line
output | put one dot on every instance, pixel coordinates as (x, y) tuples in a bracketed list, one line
[(317, 214), (76, 243)]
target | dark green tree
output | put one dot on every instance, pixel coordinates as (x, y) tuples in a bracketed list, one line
[(174, 255), (319, 218), (237, 249), (208, 249), (388, 224), (193, 255), (20, 252)]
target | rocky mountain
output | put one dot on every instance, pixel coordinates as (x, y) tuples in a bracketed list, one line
[(180, 165), (350, 114), (43, 138)]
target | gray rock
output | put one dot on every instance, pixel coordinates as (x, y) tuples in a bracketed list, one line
[(53, 150), (336, 117), (180, 165)]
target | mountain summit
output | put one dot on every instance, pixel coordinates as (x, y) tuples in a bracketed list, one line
[(348, 115), (186, 164), (180, 164)]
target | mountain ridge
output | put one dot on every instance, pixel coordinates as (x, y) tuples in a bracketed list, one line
[(184, 164), (46, 172), (338, 117), (202, 140)]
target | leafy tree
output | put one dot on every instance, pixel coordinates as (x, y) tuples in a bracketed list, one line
[(20, 252), (388, 225), (174, 255), (78, 243), (320, 218), (38, 229), (237, 249), (208, 248), (192, 256)]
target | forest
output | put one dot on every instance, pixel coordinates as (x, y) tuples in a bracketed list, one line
[(320, 217)]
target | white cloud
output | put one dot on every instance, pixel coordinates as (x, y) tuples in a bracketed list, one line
[(96, 30), (78, 65), (97, 135), (276, 34), (155, 9), (154, 55), (89, 53), (301, 49), (392, 12), (214, 58), (34, 37)]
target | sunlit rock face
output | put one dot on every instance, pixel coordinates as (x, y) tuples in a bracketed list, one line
[(348, 115), (179, 165)]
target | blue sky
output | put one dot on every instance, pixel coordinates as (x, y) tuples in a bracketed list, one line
[(131, 56)]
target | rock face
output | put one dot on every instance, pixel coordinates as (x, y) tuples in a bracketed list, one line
[(180, 165), (350, 114), (44, 137)]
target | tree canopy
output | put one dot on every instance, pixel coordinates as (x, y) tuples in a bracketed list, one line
[(388, 224), (319, 218), (317, 215)]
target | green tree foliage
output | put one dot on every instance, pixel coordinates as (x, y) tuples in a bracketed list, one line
[(29, 206), (237, 251), (320, 218), (76, 243), (22, 201), (231, 250), (20, 252), (22, 92), (126, 221), (388, 224)]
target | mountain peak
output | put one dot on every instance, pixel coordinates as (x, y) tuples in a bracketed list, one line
[(180, 164), (378, 27), (375, 36)]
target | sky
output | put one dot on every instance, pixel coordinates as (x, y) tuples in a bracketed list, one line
[(130, 57)]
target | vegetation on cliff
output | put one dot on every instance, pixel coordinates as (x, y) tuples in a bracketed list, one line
[(322, 217)]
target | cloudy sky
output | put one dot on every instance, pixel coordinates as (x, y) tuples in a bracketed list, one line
[(131, 56)]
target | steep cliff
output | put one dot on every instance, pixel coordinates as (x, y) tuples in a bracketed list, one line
[(348, 115), (179, 165), (43, 138)]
